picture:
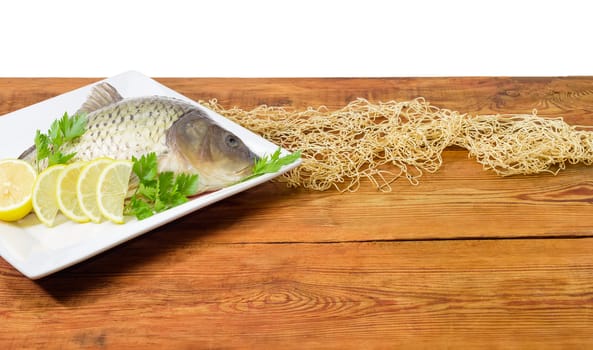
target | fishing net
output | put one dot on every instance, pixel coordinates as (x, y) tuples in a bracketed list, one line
[(385, 141)]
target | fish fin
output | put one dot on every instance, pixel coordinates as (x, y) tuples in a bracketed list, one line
[(103, 94), (28, 154)]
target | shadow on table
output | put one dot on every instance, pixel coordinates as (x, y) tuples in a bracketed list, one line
[(89, 280)]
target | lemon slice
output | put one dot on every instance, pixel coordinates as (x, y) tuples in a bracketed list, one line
[(86, 188), (66, 193), (112, 189), (17, 178), (45, 203)]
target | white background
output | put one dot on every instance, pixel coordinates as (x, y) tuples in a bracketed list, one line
[(257, 38)]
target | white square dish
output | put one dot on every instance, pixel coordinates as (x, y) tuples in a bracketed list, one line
[(36, 250)]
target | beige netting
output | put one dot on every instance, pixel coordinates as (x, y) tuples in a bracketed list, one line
[(388, 140), (524, 144)]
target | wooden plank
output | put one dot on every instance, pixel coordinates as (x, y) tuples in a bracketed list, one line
[(460, 200), (569, 96), (440, 294)]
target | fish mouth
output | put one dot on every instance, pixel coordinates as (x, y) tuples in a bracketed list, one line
[(247, 170)]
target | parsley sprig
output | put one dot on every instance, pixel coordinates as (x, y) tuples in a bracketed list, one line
[(63, 130), (156, 191), (272, 163), (159, 191)]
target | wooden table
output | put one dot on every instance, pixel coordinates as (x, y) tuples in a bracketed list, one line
[(465, 259)]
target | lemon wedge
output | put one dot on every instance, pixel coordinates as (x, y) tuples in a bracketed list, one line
[(17, 178), (112, 189), (66, 193), (45, 202), (86, 187)]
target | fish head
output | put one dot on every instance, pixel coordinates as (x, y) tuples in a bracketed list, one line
[(218, 156)]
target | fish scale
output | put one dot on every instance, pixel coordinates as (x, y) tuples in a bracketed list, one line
[(128, 128)]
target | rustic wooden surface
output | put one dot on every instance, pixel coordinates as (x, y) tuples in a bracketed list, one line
[(465, 259)]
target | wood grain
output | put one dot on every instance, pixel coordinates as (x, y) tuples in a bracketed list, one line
[(569, 96), (464, 260), (450, 294)]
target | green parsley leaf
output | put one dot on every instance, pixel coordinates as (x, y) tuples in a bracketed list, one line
[(149, 192), (73, 127), (61, 131), (146, 167), (158, 192), (59, 158), (42, 145), (55, 133), (272, 163), (176, 199), (187, 184), (140, 208), (159, 205), (166, 184)]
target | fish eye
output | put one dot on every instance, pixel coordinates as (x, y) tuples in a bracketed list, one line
[(231, 140)]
